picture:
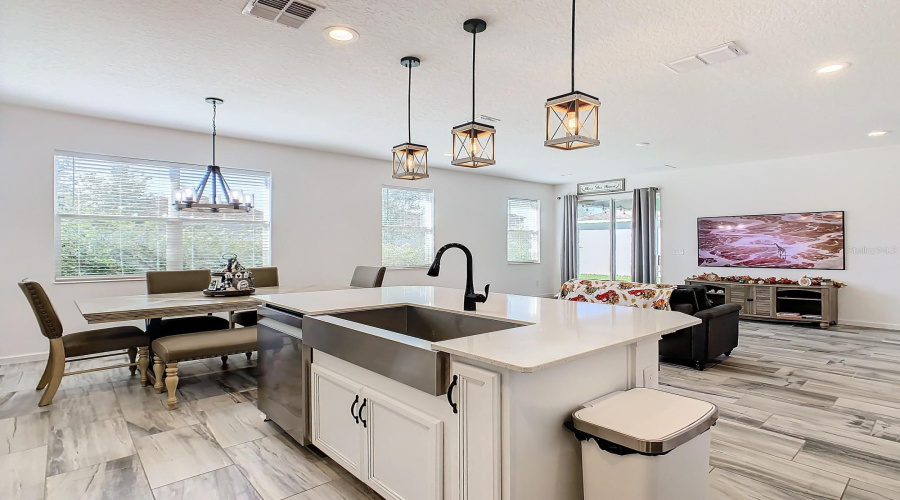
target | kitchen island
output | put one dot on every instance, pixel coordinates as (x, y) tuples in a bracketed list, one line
[(383, 360)]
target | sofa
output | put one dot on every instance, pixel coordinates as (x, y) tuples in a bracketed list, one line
[(697, 345)]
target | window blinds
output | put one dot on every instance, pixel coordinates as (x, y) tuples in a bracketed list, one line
[(407, 227), (523, 230), (114, 219)]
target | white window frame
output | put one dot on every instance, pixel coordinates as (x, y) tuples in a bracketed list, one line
[(173, 224), (431, 251), (539, 241)]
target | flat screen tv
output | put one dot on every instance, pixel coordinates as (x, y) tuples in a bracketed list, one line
[(809, 240)]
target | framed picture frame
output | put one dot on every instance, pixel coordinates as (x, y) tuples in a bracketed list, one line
[(609, 186)]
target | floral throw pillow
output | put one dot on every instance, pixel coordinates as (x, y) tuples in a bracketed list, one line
[(617, 293)]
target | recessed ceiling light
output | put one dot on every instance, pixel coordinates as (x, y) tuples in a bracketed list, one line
[(642, 144), (341, 34), (831, 68), (878, 133)]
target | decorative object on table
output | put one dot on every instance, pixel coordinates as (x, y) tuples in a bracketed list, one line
[(814, 281), (410, 160), (610, 186), (473, 142), (572, 119), (232, 280), (712, 276), (222, 197), (805, 281), (808, 240)]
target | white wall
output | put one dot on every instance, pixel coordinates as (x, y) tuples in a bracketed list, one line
[(864, 183), (326, 213)]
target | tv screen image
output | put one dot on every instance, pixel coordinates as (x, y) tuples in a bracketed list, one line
[(809, 240)]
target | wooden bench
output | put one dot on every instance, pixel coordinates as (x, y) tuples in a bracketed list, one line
[(169, 351)]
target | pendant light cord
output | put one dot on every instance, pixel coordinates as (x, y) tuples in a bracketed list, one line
[(214, 134), (573, 45), (474, 36), (409, 106)]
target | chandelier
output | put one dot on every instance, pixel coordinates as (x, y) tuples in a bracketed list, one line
[(221, 198), (410, 160), (572, 119)]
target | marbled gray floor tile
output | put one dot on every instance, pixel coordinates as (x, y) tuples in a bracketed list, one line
[(73, 448), (15, 404), (113, 480), (226, 483), (23, 474), (214, 402), (146, 413), (757, 439), (235, 424), (725, 485), (816, 415), (23, 433), (79, 410), (858, 490), (176, 455), (852, 463), (338, 489), (276, 467)]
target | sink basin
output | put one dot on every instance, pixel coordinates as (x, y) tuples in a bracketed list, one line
[(396, 341), (423, 323)]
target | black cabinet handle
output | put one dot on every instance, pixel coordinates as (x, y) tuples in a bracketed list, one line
[(353, 409), (363, 405), (450, 394)]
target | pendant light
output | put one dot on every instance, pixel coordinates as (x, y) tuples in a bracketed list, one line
[(222, 198), (572, 119), (410, 160), (473, 142)]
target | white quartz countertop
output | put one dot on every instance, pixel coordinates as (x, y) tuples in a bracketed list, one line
[(552, 332)]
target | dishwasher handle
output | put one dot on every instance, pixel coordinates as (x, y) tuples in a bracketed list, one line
[(280, 327)]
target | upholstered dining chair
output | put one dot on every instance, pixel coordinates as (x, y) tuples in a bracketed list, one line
[(262, 277), (367, 277), (90, 344), (176, 282)]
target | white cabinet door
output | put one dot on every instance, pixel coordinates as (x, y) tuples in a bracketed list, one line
[(335, 403), (477, 396), (404, 451)]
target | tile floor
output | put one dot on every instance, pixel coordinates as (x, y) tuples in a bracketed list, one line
[(804, 413), (105, 437)]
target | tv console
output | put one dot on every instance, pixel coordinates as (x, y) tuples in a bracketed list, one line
[(812, 304)]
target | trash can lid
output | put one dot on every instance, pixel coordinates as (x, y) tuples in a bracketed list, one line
[(646, 420)]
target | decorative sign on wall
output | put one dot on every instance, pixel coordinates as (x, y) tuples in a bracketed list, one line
[(602, 187)]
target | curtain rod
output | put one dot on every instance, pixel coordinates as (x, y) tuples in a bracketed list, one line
[(607, 194)]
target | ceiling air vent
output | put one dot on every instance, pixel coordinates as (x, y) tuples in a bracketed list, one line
[(715, 55), (285, 12)]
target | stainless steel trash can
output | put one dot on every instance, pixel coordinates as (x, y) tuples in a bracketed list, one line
[(644, 444)]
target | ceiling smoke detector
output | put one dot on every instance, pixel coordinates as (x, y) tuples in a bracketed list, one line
[(284, 12), (715, 55)]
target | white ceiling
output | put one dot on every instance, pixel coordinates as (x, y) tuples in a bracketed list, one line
[(154, 62)]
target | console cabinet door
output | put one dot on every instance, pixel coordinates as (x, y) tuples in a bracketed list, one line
[(334, 428), (739, 296), (404, 457), (477, 396), (762, 301)]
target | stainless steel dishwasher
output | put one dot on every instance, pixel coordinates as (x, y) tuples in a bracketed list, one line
[(283, 371)]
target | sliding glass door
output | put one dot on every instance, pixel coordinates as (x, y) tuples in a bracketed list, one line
[(604, 238)]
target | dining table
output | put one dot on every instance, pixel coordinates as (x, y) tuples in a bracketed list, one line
[(153, 307)]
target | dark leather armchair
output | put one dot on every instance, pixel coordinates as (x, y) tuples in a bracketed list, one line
[(716, 335)]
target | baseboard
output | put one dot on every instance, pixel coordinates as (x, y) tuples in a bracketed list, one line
[(869, 324), (23, 358)]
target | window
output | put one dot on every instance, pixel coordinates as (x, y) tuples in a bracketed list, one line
[(114, 219), (604, 238), (523, 230), (407, 227)]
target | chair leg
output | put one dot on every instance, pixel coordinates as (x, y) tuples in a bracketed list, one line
[(143, 362), (45, 378), (158, 372), (132, 356), (58, 362), (249, 355), (224, 361), (171, 384)]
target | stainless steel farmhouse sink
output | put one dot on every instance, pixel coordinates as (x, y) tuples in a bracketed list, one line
[(396, 341)]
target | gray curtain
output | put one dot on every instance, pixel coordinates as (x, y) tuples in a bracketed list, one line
[(644, 257), (569, 258)]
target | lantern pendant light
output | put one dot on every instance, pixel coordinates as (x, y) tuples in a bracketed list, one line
[(222, 198), (473, 142), (410, 160), (572, 119)]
